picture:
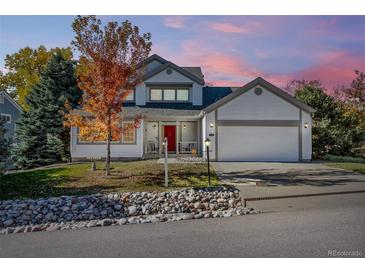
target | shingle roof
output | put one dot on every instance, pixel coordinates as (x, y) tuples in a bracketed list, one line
[(194, 72), (213, 94), (197, 71), (183, 71), (265, 84), (160, 111), (210, 95)]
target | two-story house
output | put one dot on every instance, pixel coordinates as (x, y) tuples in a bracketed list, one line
[(256, 122), (10, 111)]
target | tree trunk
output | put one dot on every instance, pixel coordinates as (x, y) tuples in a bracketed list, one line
[(107, 163)]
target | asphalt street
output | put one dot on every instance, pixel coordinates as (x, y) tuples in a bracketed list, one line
[(305, 227)]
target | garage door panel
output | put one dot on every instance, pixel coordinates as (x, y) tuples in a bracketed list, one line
[(250, 143)]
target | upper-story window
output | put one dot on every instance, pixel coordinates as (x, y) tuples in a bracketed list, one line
[(6, 117), (1, 98), (169, 94)]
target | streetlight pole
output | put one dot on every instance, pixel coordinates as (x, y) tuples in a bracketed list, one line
[(207, 144)]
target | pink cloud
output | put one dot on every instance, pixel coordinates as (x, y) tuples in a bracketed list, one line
[(228, 28), (244, 28), (230, 69), (262, 54), (334, 68), (327, 23), (220, 69), (176, 22)]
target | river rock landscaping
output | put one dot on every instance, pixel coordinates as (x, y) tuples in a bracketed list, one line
[(71, 212)]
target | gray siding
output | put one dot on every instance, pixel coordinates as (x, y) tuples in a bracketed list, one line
[(8, 108), (152, 65), (173, 79)]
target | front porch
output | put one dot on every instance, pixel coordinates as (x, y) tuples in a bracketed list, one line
[(183, 138)]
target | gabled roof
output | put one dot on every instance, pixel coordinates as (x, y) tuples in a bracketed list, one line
[(151, 58), (193, 73), (177, 68), (265, 84), (197, 71), (11, 100)]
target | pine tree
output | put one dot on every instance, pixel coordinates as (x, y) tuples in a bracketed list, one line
[(4, 146), (41, 137)]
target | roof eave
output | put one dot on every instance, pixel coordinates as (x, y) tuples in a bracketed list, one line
[(262, 82), (12, 100), (151, 58), (179, 69)]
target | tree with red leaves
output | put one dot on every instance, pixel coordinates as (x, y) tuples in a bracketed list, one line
[(108, 71)]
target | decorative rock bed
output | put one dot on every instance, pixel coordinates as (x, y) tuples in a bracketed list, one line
[(67, 212)]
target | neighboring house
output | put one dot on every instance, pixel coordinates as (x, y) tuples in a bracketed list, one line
[(10, 111), (256, 122)]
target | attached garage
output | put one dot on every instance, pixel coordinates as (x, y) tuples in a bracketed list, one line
[(258, 143), (259, 122)]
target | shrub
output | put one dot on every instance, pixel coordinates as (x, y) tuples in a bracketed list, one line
[(343, 159)]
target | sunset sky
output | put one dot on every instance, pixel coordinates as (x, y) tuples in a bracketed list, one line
[(231, 50)]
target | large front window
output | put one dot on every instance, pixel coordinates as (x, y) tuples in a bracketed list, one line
[(130, 96), (169, 94), (128, 136), (129, 133)]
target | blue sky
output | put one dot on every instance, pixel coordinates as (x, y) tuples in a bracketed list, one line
[(231, 49)]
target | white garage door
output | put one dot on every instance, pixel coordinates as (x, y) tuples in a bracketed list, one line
[(258, 143)]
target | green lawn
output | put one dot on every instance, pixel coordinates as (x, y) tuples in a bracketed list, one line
[(77, 179), (357, 167)]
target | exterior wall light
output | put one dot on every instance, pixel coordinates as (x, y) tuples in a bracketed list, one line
[(211, 125), (305, 125), (184, 126), (154, 126), (207, 144)]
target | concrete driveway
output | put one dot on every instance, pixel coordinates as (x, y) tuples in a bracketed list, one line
[(257, 179), (285, 174), (278, 179)]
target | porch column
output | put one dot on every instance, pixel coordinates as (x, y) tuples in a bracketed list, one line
[(199, 138), (145, 126), (177, 137), (159, 138)]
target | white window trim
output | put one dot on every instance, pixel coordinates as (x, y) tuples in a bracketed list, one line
[(176, 91), (133, 93), (150, 95), (169, 101), (120, 142), (7, 115)]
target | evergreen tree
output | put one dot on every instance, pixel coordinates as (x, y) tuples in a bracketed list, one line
[(335, 130), (41, 137), (4, 145)]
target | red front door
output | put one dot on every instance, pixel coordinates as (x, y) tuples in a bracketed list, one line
[(170, 134)]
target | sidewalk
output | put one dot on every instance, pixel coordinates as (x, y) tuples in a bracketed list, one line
[(268, 191)]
